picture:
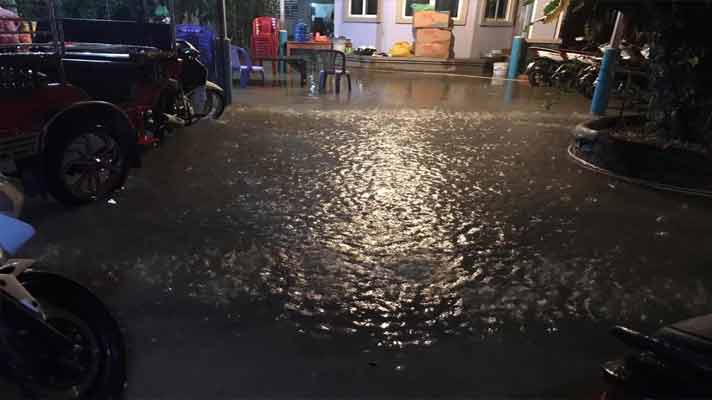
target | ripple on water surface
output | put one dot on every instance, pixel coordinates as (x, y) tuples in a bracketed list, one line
[(407, 225)]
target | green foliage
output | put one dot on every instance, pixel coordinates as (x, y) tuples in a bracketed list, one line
[(551, 6)]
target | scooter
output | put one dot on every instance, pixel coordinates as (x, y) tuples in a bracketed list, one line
[(57, 339), (630, 79), (674, 362), (190, 96), (557, 67)]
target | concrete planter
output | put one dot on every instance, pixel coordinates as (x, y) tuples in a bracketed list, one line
[(676, 170)]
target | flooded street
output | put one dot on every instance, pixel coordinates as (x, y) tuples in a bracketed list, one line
[(422, 236)]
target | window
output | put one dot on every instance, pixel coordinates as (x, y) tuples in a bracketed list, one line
[(361, 11), (457, 9), (497, 12)]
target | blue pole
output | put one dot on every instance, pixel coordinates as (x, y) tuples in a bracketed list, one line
[(508, 92), (514, 58), (282, 50), (599, 104)]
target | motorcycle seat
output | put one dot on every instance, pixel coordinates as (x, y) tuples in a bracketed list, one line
[(693, 334)]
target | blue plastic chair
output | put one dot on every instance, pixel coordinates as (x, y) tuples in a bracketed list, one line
[(13, 233), (246, 70), (203, 39)]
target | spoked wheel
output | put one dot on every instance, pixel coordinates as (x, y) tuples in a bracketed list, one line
[(537, 77), (87, 165)]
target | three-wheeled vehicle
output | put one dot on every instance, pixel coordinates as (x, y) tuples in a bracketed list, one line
[(76, 89)]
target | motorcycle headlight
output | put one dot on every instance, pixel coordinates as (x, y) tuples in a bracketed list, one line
[(11, 198)]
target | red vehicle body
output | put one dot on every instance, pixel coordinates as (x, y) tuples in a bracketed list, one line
[(75, 101)]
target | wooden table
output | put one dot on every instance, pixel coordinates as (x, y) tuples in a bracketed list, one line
[(308, 46)]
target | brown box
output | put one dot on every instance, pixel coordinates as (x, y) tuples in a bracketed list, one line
[(433, 35), (431, 19), (433, 50)]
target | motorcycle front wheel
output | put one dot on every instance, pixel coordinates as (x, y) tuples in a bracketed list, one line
[(98, 364)]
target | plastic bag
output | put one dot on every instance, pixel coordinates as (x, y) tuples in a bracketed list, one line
[(401, 49), (422, 7)]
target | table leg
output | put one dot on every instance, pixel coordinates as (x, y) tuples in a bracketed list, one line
[(303, 73)]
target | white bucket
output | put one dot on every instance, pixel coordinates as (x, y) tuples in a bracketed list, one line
[(500, 69)]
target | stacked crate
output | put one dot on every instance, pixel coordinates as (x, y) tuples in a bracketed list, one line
[(433, 34)]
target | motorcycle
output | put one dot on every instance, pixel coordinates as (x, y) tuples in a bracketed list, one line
[(630, 78), (57, 339), (674, 362), (557, 67), (543, 65), (190, 96)]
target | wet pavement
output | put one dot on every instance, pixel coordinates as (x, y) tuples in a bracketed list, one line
[(424, 236)]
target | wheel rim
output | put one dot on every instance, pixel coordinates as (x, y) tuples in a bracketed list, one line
[(92, 165), (71, 375)]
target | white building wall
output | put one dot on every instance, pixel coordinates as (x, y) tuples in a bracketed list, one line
[(471, 39), (540, 32), (360, 33)]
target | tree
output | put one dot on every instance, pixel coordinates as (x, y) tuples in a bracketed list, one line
[(680, 61)]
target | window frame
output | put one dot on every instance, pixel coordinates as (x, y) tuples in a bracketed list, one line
[(348, 17), (461, 19), (507, 21)]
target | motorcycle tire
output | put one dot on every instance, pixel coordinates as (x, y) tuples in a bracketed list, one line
[(587, 85), (540, 71), (76, 312), (68, 139), (536, 78), (215, 106)]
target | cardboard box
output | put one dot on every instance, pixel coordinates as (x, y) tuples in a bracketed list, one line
[(433, 35), (431, 19), (433, 50), (433, 43)]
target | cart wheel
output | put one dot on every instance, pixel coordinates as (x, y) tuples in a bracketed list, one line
[(89, 161)]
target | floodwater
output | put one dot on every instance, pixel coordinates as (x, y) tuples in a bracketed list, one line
[(421, 236)]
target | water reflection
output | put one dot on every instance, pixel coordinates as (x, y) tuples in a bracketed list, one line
[(415, 210)]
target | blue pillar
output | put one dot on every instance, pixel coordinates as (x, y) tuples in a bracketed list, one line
[(515, 57), (599, 104), (223, 51), (508, 92)]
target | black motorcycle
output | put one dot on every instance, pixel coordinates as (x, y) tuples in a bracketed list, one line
[(190, 96), (57, 340), (674, 362), (544, 62)]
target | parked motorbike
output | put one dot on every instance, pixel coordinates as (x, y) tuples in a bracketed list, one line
[(630, 79), (557, 67), (57, 340), (190, 96), (674, 362), (543, 65)]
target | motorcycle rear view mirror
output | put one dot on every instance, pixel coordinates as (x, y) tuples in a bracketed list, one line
[(14, 233)]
